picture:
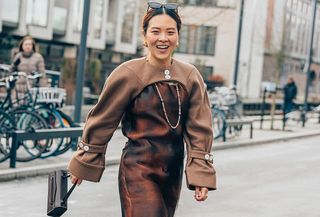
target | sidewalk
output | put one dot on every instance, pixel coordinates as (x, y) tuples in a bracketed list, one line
[(260, 136)]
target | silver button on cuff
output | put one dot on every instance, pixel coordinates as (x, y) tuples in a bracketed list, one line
[(86, 148), (207, 157)]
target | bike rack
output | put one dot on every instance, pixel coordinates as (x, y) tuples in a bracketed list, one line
[(230, 123), (21, 135)]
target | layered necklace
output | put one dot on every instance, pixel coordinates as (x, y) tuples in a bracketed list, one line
[(164, 108)]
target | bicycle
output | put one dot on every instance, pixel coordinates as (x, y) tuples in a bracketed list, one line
[(223, 102), (296, 116), (24, 119), (7, 126), (47, 101)]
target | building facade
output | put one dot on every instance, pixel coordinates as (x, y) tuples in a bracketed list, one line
[(287, 45), (274, 46), (274, 36), (56, 26)]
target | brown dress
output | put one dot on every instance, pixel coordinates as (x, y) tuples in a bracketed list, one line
[(152, 161), (151, 166)]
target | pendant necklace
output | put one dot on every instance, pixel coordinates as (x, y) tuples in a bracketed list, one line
[(164, 108)]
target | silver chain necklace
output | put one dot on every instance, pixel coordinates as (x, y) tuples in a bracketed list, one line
[(164, 108)]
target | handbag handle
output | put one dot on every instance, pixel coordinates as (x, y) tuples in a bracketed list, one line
[(69, 193)]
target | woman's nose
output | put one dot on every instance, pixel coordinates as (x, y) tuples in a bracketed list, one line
[(163, 37)]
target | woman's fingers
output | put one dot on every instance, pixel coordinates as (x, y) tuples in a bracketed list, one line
[(75, 180), (201, 193)]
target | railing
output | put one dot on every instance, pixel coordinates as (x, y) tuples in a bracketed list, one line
[(20, 135)]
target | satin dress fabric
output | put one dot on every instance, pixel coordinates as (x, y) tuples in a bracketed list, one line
[(151, 166)]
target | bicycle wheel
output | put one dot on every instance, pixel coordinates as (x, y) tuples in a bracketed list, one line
[(54, 120), (7, 126), (218, 122), (68, 142), (233, 114), (30, 121)]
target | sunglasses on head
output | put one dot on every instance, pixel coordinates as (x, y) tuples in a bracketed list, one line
[(168, 6)]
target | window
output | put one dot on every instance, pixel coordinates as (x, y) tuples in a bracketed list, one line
[(77, 15), (183, 39), (128, 21), (207, 72), (205, 40), (97, 19), (37, 12), (60, 14), (197, 40), (10, 11)]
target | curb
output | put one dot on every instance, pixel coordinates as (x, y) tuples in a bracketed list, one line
[(234, 144), (32, 171)]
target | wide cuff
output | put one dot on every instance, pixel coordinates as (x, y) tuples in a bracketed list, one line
[(200, 173), (87, 171)]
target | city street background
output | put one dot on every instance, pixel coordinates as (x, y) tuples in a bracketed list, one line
[(275, 180)]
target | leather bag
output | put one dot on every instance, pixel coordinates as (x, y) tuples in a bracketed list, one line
[(58, 192)]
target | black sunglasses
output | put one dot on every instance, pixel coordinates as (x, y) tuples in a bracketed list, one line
[(168, 6)]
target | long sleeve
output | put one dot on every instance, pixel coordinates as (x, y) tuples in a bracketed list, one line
[(199, 136), (88, 162)]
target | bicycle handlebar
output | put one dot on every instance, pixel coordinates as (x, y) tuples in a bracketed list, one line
[(11, 79)]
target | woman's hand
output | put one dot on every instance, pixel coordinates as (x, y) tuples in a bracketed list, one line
[(201, 193), (75, 179)]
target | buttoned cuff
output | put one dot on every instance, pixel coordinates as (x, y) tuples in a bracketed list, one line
[(92, 148), (201, 155)]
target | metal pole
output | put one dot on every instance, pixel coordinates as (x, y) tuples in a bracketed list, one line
[(263, 107), (236, 66), (308, 63), (81, 61)]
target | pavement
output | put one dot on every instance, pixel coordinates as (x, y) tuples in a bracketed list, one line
[(266, 135)]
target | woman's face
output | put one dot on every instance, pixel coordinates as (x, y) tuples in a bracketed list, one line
[(161, 37), (27, 46)]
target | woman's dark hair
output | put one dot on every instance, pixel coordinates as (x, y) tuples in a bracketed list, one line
[(27, 38), (154, 12)]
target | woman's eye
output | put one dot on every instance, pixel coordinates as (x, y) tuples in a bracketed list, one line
[(171, 33), (155, 32)]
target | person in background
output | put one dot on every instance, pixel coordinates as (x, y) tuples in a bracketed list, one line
[(290, 93), (28, 59), (162, 103)]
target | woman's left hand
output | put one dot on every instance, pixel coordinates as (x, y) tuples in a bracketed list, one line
[(201, 193)]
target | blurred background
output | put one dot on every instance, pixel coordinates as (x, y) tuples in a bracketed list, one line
[(271, 45)]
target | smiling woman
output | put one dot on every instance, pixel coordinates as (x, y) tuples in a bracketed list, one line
[(162, 103)]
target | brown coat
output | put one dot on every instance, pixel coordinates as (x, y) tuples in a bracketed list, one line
[(121, 87)]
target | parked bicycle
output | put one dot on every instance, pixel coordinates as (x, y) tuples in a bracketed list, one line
[(224, 103), (296, 116), (48, 101), (23, 119)]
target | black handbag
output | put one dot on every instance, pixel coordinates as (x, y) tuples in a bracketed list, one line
[(58, 192)]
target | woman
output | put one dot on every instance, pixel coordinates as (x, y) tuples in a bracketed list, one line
[(161, 102), (27, 59)]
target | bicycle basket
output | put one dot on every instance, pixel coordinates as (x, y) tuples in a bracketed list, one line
[(49, 95), (230, 99)]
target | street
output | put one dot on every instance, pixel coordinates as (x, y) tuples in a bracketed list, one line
[(273, 180)]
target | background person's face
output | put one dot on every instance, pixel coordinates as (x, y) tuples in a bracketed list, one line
[(27, 46), (161, 37)]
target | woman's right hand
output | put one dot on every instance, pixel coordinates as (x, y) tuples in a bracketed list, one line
[(75, 180)]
